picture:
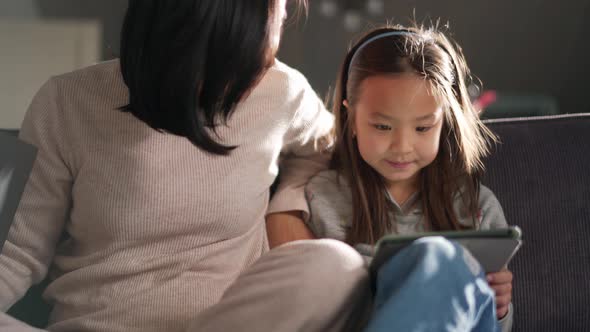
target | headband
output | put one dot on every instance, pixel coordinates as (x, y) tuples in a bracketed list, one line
[(372, 39)]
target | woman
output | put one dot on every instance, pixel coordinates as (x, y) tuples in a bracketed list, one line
[(156, 168)]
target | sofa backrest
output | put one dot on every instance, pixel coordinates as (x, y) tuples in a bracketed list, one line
[(540, 173), (13, 132)]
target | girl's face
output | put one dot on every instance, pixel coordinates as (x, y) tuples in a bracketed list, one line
[(397, 124)]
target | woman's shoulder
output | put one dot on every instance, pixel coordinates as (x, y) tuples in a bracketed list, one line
[(101, 81), (284, 80), (281, 71), (99, 71), (284, 94), (70, 93)]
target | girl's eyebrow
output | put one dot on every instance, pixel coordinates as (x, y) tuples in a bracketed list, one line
[(420, 118), (381, 115), (426, 117)]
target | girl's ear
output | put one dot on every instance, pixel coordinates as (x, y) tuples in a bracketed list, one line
[(345, 103)]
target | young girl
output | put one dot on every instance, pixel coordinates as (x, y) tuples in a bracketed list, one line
[(409, 148)]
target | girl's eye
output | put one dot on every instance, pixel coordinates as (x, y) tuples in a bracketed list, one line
[(382, 127), (423, 129)]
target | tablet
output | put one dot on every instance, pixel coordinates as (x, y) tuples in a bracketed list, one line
[(492, 248)]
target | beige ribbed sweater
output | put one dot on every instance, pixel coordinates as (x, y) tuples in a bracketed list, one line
[(157, 228)]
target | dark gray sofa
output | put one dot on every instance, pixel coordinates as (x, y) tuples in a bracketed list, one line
[(541, 176)]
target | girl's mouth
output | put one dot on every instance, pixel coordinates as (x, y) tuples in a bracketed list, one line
[(398, 165)]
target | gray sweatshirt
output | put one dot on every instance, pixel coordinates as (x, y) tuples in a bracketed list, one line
[(330, 209)]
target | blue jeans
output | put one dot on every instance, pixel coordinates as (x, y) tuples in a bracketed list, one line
[(432, 285)]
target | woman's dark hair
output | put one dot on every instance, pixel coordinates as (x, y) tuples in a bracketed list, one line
[(188, 63), (464, 140)]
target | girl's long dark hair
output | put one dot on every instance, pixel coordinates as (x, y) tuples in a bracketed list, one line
[(187, 63), (456, 170)]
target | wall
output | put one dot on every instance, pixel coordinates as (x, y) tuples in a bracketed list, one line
[(18, 8), (109, 13), (521, 47), (37, 45)]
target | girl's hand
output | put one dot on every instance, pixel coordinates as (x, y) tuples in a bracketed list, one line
[(501, 283)]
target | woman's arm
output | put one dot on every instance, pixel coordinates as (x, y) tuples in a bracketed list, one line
[(45, 202), (283, 227), (305, 151)]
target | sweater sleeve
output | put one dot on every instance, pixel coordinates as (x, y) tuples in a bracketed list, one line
[(330, 206), (306, 148), (492, 216), (45, 202), (506, 321)]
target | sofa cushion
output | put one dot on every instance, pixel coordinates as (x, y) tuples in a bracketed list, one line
[(540, 173)]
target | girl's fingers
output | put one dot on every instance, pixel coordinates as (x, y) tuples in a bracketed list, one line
[(502, 277), (502, 289), (503, 300)]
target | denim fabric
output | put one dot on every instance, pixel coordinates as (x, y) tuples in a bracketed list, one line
[(433, 285)]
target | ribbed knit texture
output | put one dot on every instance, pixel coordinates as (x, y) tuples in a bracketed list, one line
[(157, 228)]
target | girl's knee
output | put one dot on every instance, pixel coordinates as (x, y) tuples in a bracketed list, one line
[(435, 245), (438, 253)]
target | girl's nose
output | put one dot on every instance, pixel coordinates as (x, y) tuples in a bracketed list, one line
[(401, 141)]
